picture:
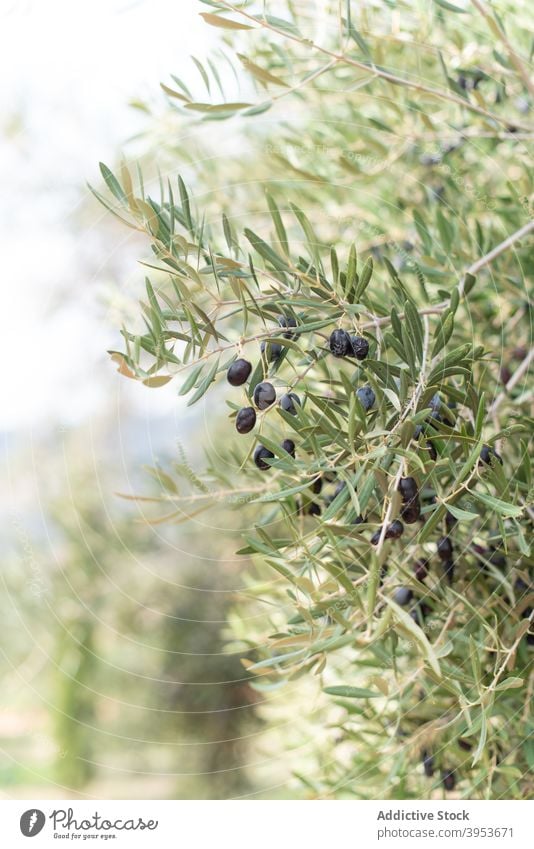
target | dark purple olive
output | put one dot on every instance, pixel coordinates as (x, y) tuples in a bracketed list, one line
[(420, 569), (411, 512), (359, 520), (245, 420), (448, 571), (288, 401), (432, 451), (313, 509), (444, 548), (289, 446), (402, 596), (271, 350), (487, 455), (261, 454), (464, 744), (448, 780), (317, 486), (497, 558), (238, 372), (264, 395), (287, 321), (366, 397), (393, 531), (450, 520), (339, 343), (360, 347), (428, 763), (408, 489)]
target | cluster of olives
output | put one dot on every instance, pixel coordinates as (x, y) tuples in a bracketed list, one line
[(341, 344), (448, 777)]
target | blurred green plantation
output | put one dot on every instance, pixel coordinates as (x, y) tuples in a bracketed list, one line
[(377, 182), (117, 682)]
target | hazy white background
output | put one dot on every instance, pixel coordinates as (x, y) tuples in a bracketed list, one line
[(68, 71)]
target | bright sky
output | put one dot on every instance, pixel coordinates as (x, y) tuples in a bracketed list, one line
[(68, 71)]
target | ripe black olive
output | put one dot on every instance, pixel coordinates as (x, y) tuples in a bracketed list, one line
[(360, 347), (420, 569), (288, 401), (393, 531), (264, 395), (260, 455), (366, 397), (287, 321), (238, 372), (402, 596), (245, 420), (411, 512), (487, 454), (289, 446), (444, 548), (272, 350), (317, 486), (408, 489), (428, 763), (448, 571), (448, 780), (340, 344)]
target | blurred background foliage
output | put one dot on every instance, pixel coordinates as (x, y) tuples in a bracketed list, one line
[(124, 639)]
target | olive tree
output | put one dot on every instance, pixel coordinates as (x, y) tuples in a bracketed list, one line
[(353, 281)]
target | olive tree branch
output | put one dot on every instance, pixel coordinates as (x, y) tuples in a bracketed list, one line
[(498, 31), (375, 71)]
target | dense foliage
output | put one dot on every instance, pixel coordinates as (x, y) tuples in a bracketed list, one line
[(353, 283)]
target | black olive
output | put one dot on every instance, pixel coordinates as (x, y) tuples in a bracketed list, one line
[(264, 395), (260, 455), (448, 780), (339, 343), (487, 454), (238, 372), (271, 350), (287, 321), (411, 512), (288, 401), (289, 446), (408, 489), (360, 347), (444, 548), (393, 531), (366, 396), (403, 596), (448, 571), (420, 569), (428, 763), (245, 420), (317, 486)]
